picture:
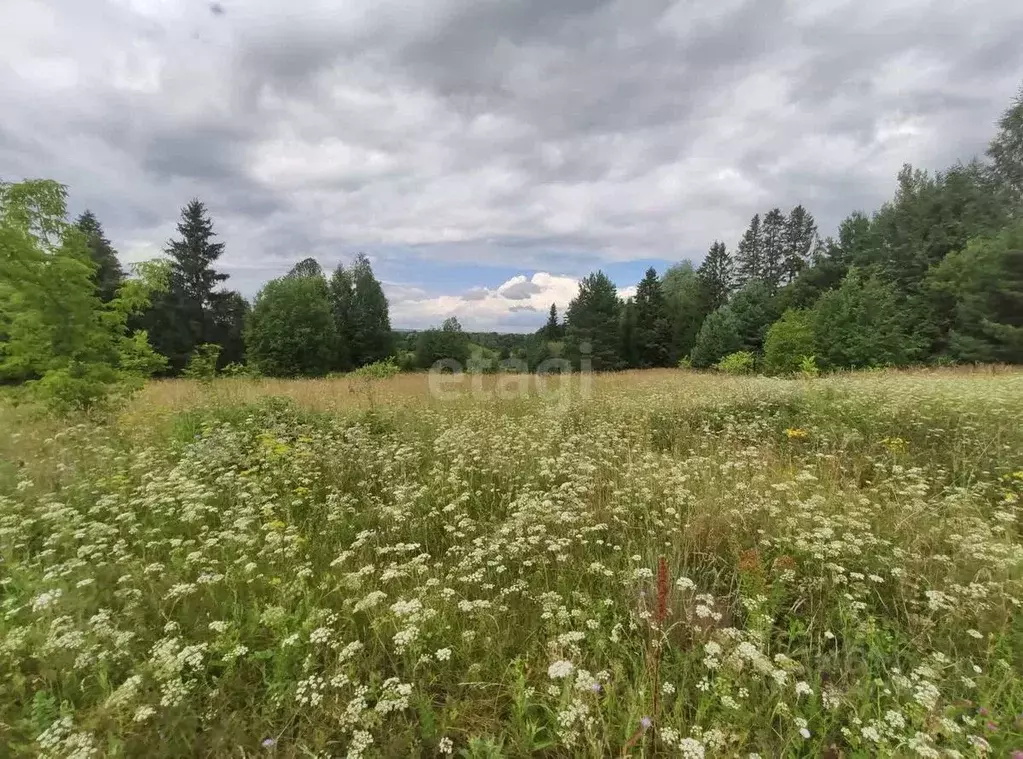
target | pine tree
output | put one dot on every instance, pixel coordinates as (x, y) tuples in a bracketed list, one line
[(371, 325), (109, 275), (717, 276), (772, 234), (652, 331), (592, 322), (800, 242), (749, 254)]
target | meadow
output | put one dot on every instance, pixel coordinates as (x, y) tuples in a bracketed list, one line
[(661, 563)]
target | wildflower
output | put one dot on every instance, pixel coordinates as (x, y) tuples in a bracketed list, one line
[(445, 746), (803, 689), (690, 748), (646, 722), (269, 743), (560, 670), (443, 654)]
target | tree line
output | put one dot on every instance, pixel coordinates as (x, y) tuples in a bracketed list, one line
[(933, 275)]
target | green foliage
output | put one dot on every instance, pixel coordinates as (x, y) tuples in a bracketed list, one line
[(979, 292), (651, 334), (378, 369), (307, 267), (717, 278), (448, 344), (593, 329), (370, 331), (202, 365), (860, 325), (342, 294), (74, 350), (1006, 151), (740, 362), (718, 336), (686, 303), (235, 369), (749, 254), (192, 311), (552, 330), (291, 330), (108, 275), (273, 582), (808, 367), (789, 341), (755, 308)]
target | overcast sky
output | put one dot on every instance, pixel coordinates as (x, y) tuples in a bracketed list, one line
[(487, 153)]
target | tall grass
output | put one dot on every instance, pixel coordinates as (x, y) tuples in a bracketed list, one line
[(677, 564)]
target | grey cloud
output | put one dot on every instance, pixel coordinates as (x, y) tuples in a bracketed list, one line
[(516, 309), (477, 293), (548, 135), (520, 290)]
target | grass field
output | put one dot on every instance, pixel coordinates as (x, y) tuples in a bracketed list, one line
[(660, 563)]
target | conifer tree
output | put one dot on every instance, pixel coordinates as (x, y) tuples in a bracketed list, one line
[(717, 276), (109, 275), (749, 254), (772, 234), (799, 243), (592, 322), (652, 333)]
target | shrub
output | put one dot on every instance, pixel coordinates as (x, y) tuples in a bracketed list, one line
[(377, 370), (202, 364), (789, 340), (718, 336), (740, 362), (808, 367)]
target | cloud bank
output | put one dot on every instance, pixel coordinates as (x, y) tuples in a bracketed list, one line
[(544, 136)]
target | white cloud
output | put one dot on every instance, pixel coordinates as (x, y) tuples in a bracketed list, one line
[(483, 309)]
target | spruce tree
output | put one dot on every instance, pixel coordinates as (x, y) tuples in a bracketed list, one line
[(109, 275), (652, 330), (184, 317), (749, 254), (800, 241), (552, 329), (718, 337), (592, 321), (717, 276), (772, 233)]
